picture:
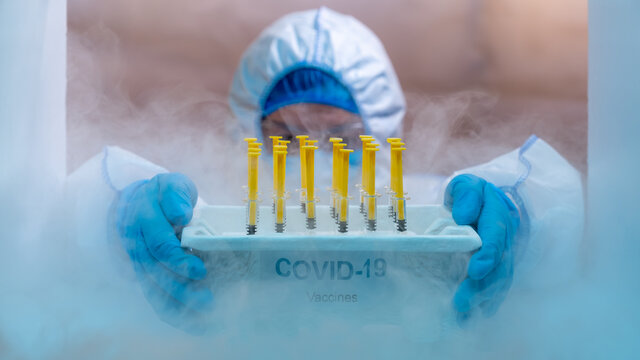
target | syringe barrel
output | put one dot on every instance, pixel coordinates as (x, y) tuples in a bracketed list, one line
[(401, 208), (371, 201), (280, 209), (343, 213), (280, 214), (401, 219), (311, 209), (252, 212)]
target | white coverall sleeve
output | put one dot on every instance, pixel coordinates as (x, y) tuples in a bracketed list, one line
[(90, 191), (548, 192)]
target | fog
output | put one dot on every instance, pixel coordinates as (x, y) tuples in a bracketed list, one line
[(162, 94), (525, 63)]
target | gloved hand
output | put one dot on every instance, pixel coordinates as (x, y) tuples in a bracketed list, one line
[(476, 202), (148, 215)]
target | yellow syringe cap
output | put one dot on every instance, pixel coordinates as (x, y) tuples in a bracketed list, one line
[(335, 140), (302, 139), (250, 140), (366, 142), (393, 140)]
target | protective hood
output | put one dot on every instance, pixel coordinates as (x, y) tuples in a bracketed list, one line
[(326, 40)]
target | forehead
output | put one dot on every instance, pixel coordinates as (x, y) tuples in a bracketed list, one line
[(312, 116)]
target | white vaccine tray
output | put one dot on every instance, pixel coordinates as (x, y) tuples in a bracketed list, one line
[(430, 228)]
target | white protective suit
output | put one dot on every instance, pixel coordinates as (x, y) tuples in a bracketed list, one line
[(545, 187)]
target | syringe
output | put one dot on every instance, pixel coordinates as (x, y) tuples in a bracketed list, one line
[(366, 139), (302, 141), (400, 200), (371, 197), (343, 212), (311, 201), (280, 158), (275, 141), (393, 142), (336, 177), (252, 174)]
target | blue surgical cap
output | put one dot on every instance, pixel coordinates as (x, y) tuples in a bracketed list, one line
[(308, 85)]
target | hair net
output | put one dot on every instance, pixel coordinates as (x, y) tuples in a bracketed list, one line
[(322, 39), (309, 85)]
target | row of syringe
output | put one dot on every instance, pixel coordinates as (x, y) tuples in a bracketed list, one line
[(339, 199)]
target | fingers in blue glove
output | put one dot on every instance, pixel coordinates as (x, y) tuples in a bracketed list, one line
[(188, 293), (475, 202), (163, 244), (464, 197), (178, 196), (497, 225), (487, 293), (492, 228), (149, 213)]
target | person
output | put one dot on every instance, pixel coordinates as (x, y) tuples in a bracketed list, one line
[(322, 74)]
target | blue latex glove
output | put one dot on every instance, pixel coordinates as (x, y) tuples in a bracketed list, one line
[(149, 214), (476, 202)]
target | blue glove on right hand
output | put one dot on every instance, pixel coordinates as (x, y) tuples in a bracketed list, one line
[(476, 202), (149, 214)]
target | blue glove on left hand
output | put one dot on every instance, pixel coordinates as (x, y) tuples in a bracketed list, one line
[(148, 216), (476, 202)]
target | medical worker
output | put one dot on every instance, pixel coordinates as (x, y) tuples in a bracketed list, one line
[(322, 74)]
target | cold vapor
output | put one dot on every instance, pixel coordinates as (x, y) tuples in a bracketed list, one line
[(82, 301), (179, 127)]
